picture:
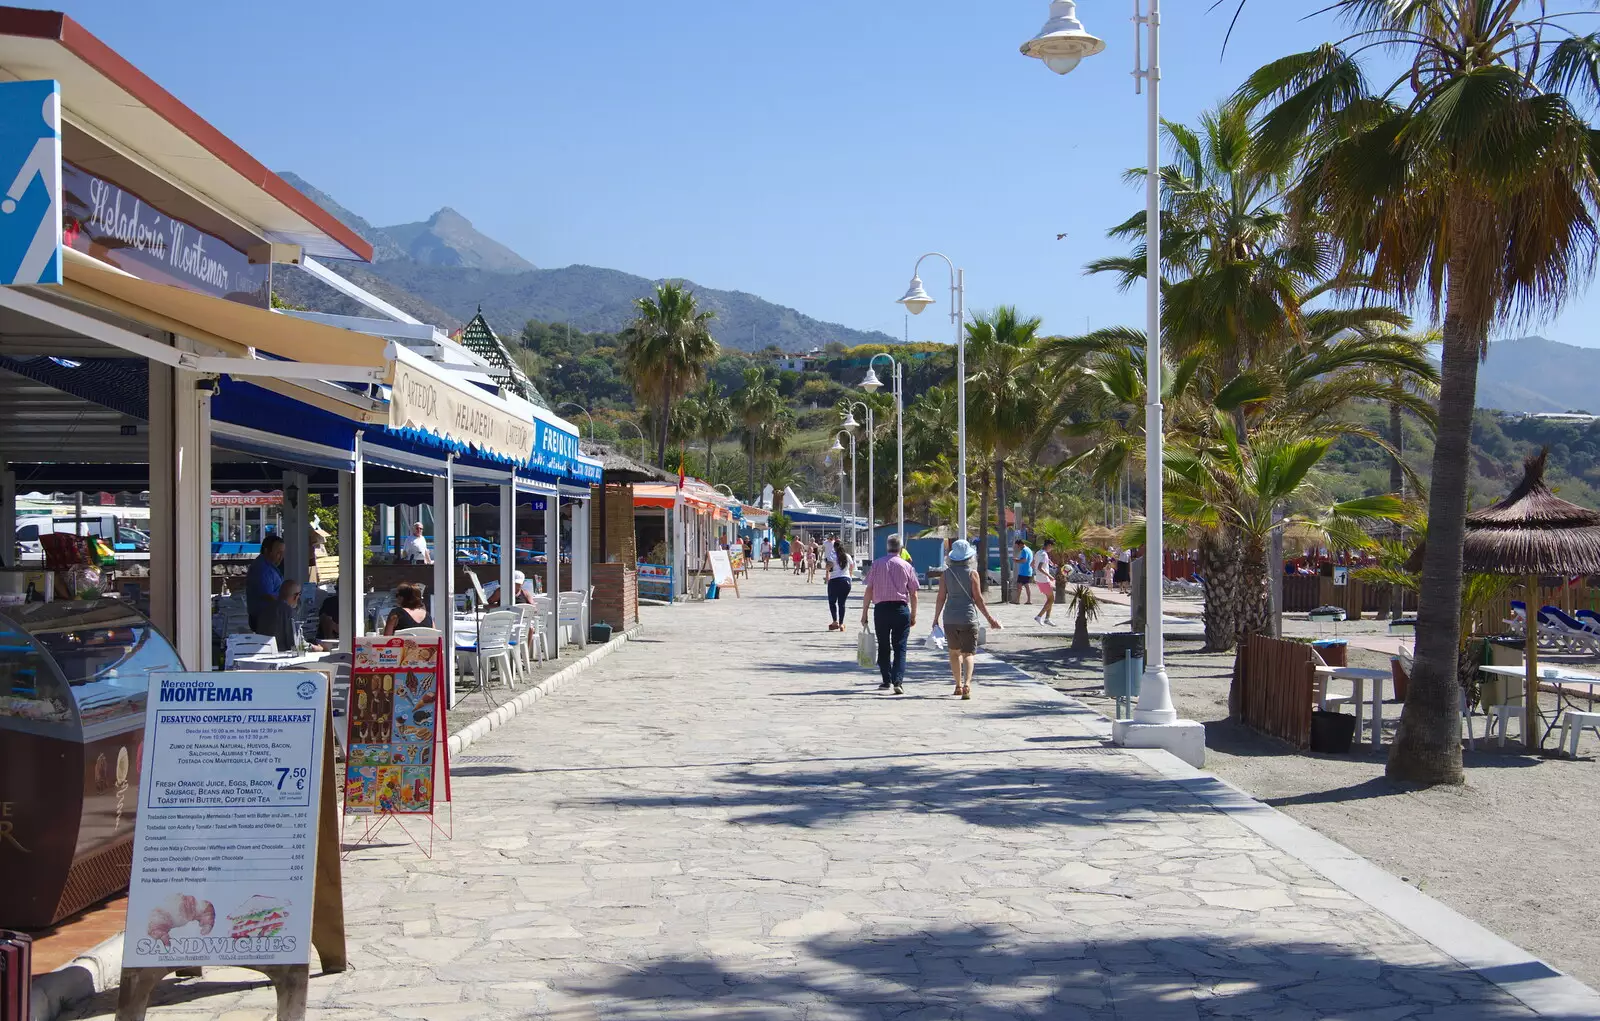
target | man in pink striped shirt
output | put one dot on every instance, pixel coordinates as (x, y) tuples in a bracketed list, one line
[(892, 594)]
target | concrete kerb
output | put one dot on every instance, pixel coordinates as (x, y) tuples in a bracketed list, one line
[(1538, 986), (505, 712), (101, 968), (85, 975)]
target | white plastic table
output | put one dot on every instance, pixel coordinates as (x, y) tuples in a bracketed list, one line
[(1563, 679), (1358, 678)]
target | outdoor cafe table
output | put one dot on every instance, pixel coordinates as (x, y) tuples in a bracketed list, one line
[(1358, 678), (1565, 699)]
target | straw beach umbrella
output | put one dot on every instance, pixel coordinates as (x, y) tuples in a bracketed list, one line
[(1533, 532)]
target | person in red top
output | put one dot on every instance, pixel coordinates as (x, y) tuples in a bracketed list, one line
[(892, 594)]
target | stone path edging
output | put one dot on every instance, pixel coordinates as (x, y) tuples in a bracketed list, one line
[(1537, 985), (507, 711)]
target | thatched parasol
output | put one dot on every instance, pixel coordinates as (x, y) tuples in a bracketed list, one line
[(1530, 533), (1098, 534), (1304, 532)]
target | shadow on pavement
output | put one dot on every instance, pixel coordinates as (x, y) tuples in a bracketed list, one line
[(983, 973)]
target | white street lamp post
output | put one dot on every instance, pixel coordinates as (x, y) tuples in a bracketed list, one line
[(575, 404), (1061, 44), (915, 300), (871, 383), (853, 513), (872, 475)]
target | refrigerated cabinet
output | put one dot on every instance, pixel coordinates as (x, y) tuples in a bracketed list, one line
[(73, 683)]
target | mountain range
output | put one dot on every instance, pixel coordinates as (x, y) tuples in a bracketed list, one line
[(443, 269), (1532, 374)]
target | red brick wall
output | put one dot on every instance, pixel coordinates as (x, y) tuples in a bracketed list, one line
[(616, 596)]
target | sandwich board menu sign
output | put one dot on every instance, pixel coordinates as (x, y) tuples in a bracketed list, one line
[(225, 843), (722, 569), (393, 715)]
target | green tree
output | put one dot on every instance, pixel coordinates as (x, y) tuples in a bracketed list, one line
[(755, 405), (713, 417), (666, 350), (1469, 184), (1004, 404)]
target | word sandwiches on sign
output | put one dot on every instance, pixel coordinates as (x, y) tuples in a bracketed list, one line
[(224, 851), (121, 228)]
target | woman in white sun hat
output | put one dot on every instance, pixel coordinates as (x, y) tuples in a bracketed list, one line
[(960, 603)]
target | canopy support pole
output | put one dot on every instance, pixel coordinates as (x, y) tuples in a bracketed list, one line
[(508, 541), (552, 568), (1531, 720), (444, 570), (352, 547)]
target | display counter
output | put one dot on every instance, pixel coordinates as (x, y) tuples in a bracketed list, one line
[(73, 683)]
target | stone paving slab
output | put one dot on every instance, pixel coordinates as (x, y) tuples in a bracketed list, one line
[(727, 820)]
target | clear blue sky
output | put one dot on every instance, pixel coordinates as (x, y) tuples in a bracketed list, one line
[(806, 152)]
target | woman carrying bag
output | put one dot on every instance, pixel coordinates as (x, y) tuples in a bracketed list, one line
[(960, 602), (838, 584)]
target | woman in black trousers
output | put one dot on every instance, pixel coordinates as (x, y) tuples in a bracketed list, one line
[(838, 584)]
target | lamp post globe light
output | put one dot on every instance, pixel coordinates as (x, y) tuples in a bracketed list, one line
[(871, 384), (915, 300), (1061, 44)]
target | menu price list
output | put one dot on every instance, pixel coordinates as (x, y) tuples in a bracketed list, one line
[(224, 851)]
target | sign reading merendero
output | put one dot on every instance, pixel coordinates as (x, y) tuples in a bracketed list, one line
[(224, 850)]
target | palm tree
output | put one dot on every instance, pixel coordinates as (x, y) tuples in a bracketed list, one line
[(666, 350), (1469, 184), (755, 405), (713, 417), (1004, 400)]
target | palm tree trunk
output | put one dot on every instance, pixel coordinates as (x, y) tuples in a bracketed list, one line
[(755, 494), (1000, 522), (1427, 748), (983, 530), (666, 425), (708, 459), (1255, 617), (1219, 581), (1397, 484)]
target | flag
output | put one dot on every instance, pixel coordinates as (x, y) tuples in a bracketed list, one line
[(680, 471)]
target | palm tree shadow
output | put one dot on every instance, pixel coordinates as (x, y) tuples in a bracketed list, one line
[(990, 973)]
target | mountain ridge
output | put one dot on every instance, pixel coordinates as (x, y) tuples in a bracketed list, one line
[(447, 266), (1535, 375)]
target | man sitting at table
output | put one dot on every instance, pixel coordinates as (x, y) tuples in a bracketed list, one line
[(278, 619), (328, 617)]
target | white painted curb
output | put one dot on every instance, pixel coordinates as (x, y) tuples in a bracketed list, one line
[(503, 714)]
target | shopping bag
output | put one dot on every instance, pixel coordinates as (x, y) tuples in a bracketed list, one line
[(866, 649), (936, 639)]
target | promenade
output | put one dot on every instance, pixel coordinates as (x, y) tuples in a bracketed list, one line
[(725, 819)]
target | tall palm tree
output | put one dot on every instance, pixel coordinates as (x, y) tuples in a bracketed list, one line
[(1470, 184), (713, 417), (755, 404), (1005, 398), (666, 350)]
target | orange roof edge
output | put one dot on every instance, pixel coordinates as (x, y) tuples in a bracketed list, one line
[(22, 21)]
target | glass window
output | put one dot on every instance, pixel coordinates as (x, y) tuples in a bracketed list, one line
[(32, 693), (103, 649)]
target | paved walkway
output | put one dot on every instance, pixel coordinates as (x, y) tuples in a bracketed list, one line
[(725, 819)]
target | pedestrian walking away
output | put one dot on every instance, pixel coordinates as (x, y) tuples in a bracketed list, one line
[(797, 553), (766, 554), (960, 603), (838, 585), (891, 592), (1024, 559), (1044, 570)]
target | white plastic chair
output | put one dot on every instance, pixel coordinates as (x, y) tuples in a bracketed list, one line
[(1466, 721), (535, 648), (420, 632), (247, 645), (1573, 723), (494, 648), (569, 613), (1499, 718)]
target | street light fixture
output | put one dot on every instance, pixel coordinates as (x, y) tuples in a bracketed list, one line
[(872, 384), (574, 404), (915, 300), (872, 473), (1061, 44)]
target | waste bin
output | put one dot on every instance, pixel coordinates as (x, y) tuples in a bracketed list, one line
[(599, 633), (1122, 656), (1332, 733), (1334, 651)]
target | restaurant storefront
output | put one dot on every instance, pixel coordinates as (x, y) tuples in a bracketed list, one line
[(140, 354)]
